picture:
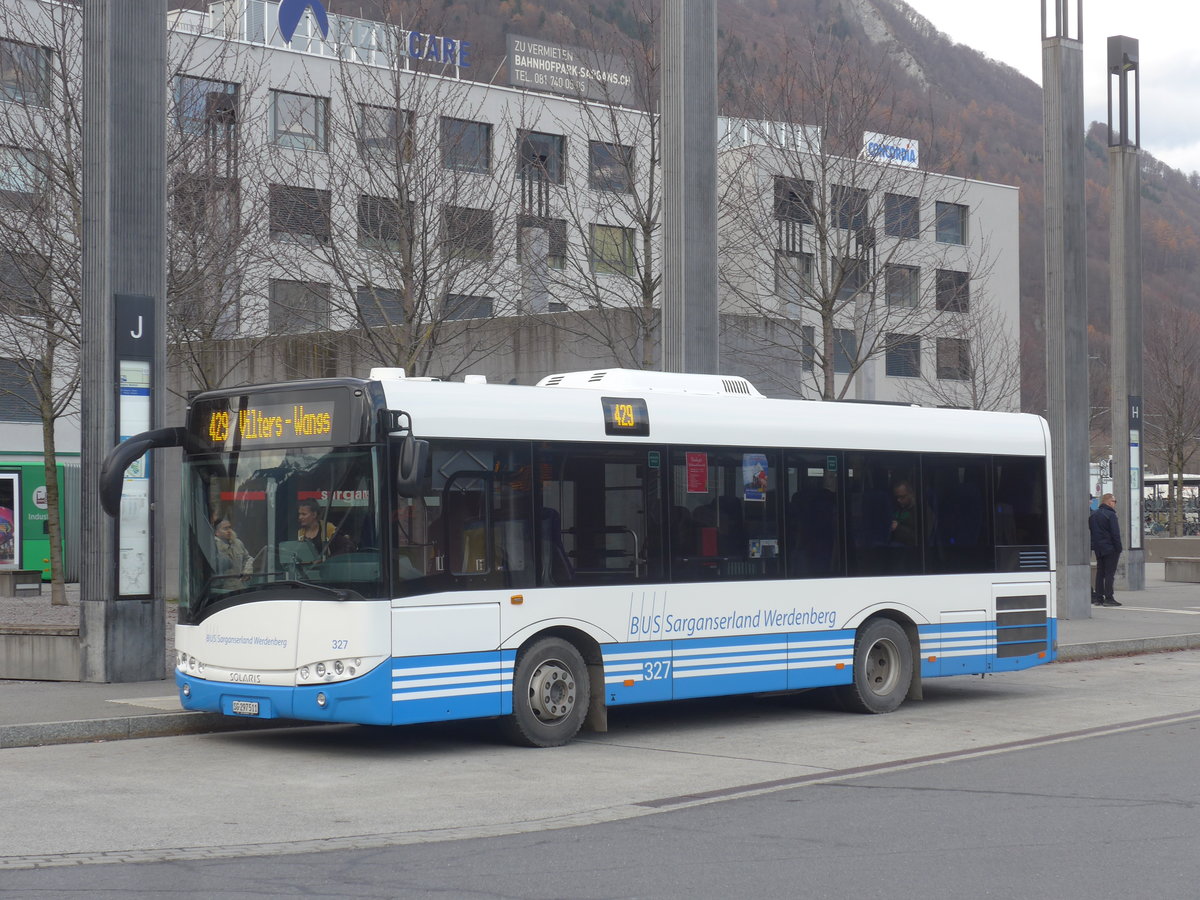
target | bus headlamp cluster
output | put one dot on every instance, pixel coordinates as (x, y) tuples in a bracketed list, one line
[(188, 663), (330, 670)]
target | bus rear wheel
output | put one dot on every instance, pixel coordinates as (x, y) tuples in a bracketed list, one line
[(550, 694), (883, 669)]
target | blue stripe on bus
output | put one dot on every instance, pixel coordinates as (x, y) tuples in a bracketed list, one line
[(707, 667), (451, 686)]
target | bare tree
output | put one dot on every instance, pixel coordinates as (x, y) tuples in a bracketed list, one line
[(977, 364), (216, 264), (405, 221), (41, 225), (867, 257), (1172, 378), (610, 213)]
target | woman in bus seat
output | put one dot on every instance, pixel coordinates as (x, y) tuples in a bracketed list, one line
[(234, 561)]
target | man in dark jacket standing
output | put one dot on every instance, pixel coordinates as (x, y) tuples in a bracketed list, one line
[(1106, 544)]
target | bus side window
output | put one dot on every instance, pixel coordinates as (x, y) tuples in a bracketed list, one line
[(814, 528)]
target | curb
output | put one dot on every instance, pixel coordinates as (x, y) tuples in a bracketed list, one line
[(121, 728), (128, 727), (1127, 647)]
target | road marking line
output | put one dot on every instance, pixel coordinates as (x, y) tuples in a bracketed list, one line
[(596, 816)]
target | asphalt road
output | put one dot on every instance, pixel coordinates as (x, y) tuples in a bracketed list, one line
[(1075, 780)]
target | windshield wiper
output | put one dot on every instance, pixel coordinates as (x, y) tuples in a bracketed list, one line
[(297, 584)]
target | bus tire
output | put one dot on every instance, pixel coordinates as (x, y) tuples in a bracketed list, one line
[(551, 692), (883, 669)]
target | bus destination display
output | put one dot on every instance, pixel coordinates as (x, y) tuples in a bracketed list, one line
[(626, 416), (287, 424)]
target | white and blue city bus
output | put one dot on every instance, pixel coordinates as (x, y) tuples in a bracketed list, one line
[(604, 538)]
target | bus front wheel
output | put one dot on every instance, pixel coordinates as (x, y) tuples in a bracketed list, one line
[(550, 694), (883, 669)]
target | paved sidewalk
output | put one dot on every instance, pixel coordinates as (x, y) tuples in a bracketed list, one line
[(1165, 616)]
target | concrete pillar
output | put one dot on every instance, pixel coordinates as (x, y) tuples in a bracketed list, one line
[(1066, 303), (691, 324), (1125, 320), (124, 228)]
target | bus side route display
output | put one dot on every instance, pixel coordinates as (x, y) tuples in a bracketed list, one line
[(626, 416)]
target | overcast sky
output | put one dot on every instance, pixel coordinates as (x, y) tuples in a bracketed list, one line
[(1166, 31)]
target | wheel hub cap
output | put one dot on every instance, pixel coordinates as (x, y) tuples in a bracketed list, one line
[(552, 691)]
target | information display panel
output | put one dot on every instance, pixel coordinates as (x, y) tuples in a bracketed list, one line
[(287, 419)]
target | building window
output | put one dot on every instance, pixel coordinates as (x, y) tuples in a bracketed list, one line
[(467, 306), (203, 106), (384, 132), (299, 121), (299, 214), (953, 291), (298, 307), (793, 200), (953, 359), (530, 230), (903, 358), (902, 285), (807, 349), (379, 306), (25, 73), (19, 399), (468, 233), (466, 146), (901, 216), (380, 224), (851, 277), (849, 207), (610, 167), (24, 284), (612, 250), (845, 349), (793, 280), (22, 176), (951, 223), (540, 157), (203, 204)]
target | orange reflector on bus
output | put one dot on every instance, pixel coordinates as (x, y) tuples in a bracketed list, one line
[(628, 682), (840, 666), (933, 659), (1042, 654), (516, 599)]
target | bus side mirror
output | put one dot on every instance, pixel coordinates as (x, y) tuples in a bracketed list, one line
[(112, 471), (411, 461)]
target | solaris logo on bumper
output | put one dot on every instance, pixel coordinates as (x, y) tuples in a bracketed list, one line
[(290, 12)]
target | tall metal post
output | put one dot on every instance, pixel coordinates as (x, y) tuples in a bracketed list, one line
[(1125, 278), (1066, 300), (691, 324), (124, 227)]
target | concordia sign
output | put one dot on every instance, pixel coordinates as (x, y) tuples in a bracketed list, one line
[(562, 69), (886, 148)]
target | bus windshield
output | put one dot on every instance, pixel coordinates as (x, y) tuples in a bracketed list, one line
[(256, 522)]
